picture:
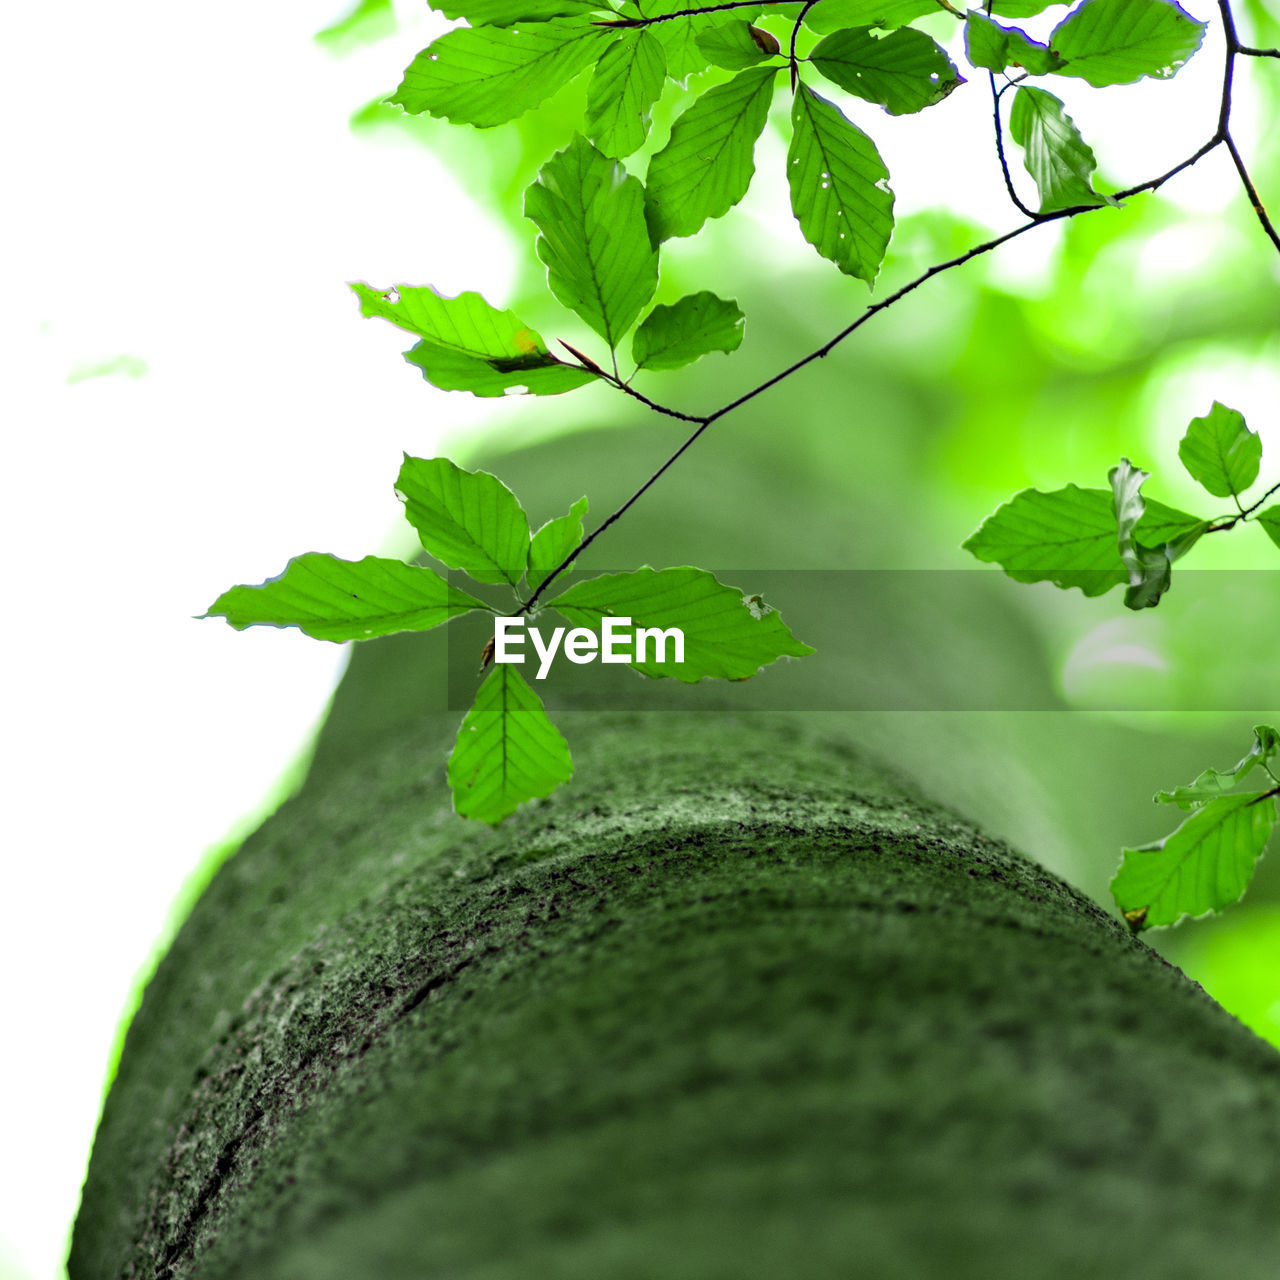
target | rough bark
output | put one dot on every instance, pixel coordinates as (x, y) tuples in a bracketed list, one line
[(734, 1004)]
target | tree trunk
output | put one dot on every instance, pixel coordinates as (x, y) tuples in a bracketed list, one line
[(733, 1004)]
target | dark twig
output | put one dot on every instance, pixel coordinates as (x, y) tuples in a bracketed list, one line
[(1257, 53), (996, 95), (692, 13), (793, 63)]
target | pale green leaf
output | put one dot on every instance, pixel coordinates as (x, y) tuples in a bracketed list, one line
[(507, 750), (1215, 782), (468, 520), (332, 599), (903, 71), (1149, 568), (1205, 865), (1069, 537), (555, 540), (994, 47), (467, 345), (1056, 156), (1119, 41), (736, 45), (673, 336), (369, 21), (839, 187), (707, 163), (627, 81), (594, 240), (506, 13), (1221, 452), (1270, 522), (726, 635), (486, 76), (836, 15)]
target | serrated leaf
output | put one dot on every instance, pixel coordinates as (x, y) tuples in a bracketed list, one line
[(468, 520), (904, 71), (485, 76), (1119, 41), (1221, 452), (1205, 865), (679, 36), (467, 345), (707, 163), (1270, 522), (1215, 782), (673, 336), (555, 540), (839, 187), (332, 599), (727, 635), (507, 750), (594, 240), (732, 46), (1069, 537), (835, 15), (1055, 154), (994, 47), (506, 13), (628, 80)]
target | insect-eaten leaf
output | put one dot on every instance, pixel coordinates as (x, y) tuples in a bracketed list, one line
[(1110, 42), (903, 71)]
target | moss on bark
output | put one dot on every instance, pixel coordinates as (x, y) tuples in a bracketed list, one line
[(735, 1004)]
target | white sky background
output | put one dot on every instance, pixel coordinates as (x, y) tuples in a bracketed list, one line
[(183, 190)]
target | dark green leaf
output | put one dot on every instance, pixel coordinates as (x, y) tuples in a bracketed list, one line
[(468, 520), (839, 187), (726, 635), (594, 240), (903, 71), (673, 336), (1055, 154), (506, 13), (1270, 522), (1215, 782), (706, 166), (555, 540), (732, 46), (628, 80), (1221, 452), (467, 345), (1069, 537), (1205, 865), (507, 751), (995, 47), (836, 15), (332, 599), (1119, 41), (487, 75)]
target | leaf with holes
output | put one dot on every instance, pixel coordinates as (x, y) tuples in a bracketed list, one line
[(485, 76), (507, 750), (628, 80), (594, 240), (839, 187), (555, 540), (332, 599), (1056, 156), (994, 47), (904, 71), (1221, 452), (1119, 41), (468, 520), (673, 336)]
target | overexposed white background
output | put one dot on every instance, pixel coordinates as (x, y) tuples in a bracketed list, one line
[(190, 397)]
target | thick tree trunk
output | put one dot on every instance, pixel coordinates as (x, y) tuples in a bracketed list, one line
[(734, 1004)]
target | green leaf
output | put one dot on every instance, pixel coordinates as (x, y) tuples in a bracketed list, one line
[(332, 599), (677, 335), (727, 635), (706, 166), (1021, 8), (1221, 452), (555, 540), (1215, 782), (839, 187), (1149, 568), (1069, 537), (467, 345), (507, 750), (486, 76), (369, 21), (594, 241), (733, 45), (1055, 154), (628, 80), (468, 520), (904, 71), (506, 13), (1205, 865), (679, 36), (995, 47), (1270, 522), (836, 15), (1119, 41)]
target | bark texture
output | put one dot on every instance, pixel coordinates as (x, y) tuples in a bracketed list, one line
[(735, 1004)]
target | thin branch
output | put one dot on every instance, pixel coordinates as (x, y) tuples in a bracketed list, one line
[(1257, 53), (691, 13), (792, 61), (996, 95), (1270, 493), (1251, 191)]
